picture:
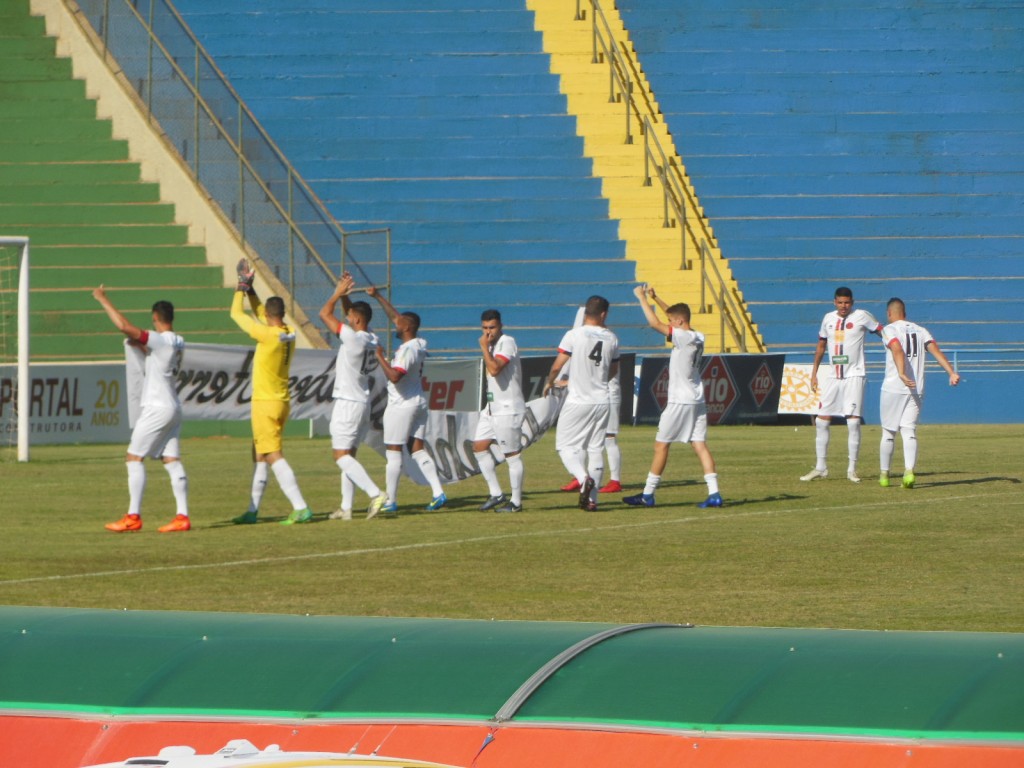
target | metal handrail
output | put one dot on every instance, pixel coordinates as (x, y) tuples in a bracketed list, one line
[(215, 105), (678, 197)]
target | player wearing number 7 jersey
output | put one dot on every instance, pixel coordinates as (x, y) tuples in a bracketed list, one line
[(350, 419), (685, 418), (592, 353)]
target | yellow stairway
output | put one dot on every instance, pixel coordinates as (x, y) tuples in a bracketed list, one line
[(657, 250)]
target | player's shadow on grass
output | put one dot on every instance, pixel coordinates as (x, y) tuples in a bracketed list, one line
[(923, 482), (732, 503)]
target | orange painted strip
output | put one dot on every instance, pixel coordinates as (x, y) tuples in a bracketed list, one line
[(70, 743)]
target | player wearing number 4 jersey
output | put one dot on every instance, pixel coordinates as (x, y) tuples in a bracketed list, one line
[(841, 346), (903, 388), (271, 400), (592, 353), (156, 430), (350, 419), (685, 418)]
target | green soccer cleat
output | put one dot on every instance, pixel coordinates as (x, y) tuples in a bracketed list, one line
[(298, 516), (883, 479), (248, 518), (908, 479)]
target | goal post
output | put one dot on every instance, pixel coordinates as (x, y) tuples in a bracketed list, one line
[(19, 266)]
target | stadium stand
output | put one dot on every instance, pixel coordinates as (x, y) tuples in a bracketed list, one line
[(70, 186), (446, 126), (877, 145)]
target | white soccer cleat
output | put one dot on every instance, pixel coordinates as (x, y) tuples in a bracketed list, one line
[(340, 514), (815, 474), (851, 475)]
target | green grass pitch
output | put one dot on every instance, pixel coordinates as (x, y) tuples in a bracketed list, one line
[(947, 555)]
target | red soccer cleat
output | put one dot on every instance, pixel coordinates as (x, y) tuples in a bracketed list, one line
[(613, 486), (179, 523), (573, 485), (126, 523)]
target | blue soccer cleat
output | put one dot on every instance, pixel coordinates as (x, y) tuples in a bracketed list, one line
[(714, 500), (640, 500), (437, 502)]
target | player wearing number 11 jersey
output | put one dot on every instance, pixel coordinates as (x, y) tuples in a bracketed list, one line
[(350, 419), (592, 353)]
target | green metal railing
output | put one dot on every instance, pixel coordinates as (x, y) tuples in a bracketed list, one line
[(625, 87), (186, 97)]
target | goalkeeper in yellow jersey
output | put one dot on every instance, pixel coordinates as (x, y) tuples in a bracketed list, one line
[(275, 345)]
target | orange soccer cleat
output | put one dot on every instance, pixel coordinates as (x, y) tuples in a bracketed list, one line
[(572, 485), (179, 523), (612, 486), (126, 523)]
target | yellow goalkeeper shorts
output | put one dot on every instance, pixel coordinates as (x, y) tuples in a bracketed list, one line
[(268, 420)]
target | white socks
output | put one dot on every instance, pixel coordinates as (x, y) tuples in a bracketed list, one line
[(290, 486), (485, 460), (179, 486), (516, 471), (573, 461), (259, 485), (853, 442), (355, 472), (392, 472), (426, 463), (136, 486), (886, 449), (652, 484), (821, 443), (712, 481), (611, 448), (909, 447)]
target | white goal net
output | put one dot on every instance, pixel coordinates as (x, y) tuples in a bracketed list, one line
[(14, 348)]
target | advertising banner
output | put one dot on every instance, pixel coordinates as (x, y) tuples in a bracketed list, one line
[(739, 389)]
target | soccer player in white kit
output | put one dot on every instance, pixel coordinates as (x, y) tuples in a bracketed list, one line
[(405, 418), (685, 418), (841, 339), (158, 426), (501, 420), (903, 388), (592, 352), (350, 417)]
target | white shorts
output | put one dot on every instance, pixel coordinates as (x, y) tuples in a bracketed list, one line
[(683, 423), (842, 397), (156, 433), (581, 427), (403, 422), (349, 422), (899, 410), (505, 429)]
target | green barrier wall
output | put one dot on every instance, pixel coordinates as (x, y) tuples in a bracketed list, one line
[(904, 684)]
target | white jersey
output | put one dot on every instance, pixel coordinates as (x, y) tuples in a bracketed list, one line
[(684, 384), (914, 339), (408, 359), (615, 390), (357, 359), (844, 342), (162, 364), (592, 350), (505, 391)]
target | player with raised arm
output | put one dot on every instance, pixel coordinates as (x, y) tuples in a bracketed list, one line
[(685, 418), (501, 420), (841, 339), (271, 400), (591, 351), (903, 388), (405, 418), (350, 418), (157, 429)]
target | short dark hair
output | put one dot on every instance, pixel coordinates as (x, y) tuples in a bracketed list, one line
[(682, 309), (363, 309), (275, 306), (490, 314), (595, 306), (164, 311), (843, 291), (898, 302), (413, 318)]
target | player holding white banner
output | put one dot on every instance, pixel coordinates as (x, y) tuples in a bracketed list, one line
[(685, 418), (271, 400), (405, 418), (841, 339), (501, 420), (158, 426), (903, 388), (592, 352), (350, 417)]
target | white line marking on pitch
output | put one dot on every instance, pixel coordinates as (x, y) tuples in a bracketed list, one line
[(456, 542)]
